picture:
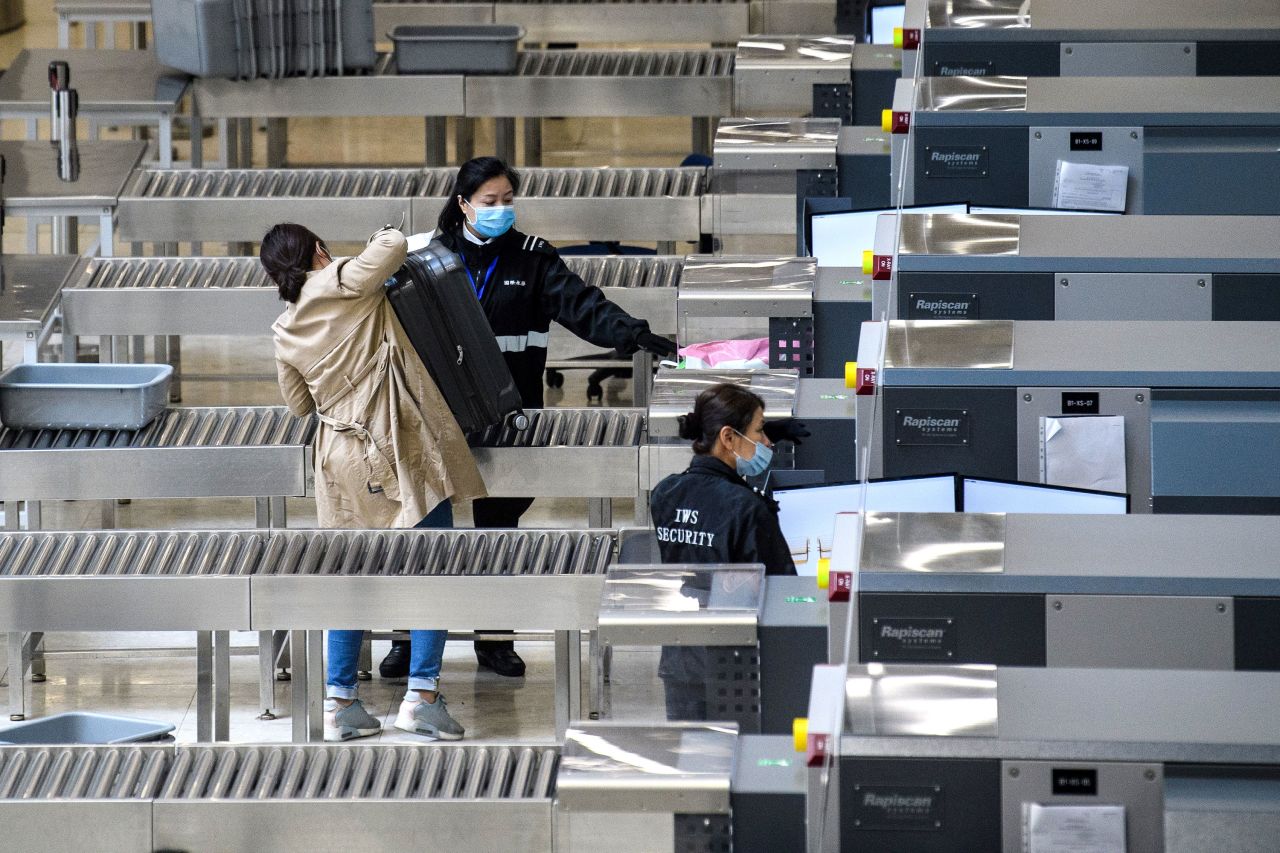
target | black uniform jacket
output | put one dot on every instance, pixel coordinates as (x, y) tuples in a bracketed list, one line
[(523, 285), (709, 514)]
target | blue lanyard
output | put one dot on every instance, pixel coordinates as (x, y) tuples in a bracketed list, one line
[(484, 284)]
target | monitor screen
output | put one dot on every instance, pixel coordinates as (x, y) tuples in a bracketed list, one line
[(1040, 211), (884, 19), (980, 495), (839, 239), (807, 513)]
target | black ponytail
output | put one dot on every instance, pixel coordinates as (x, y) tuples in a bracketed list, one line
[(287, 254), (471, 175), (719, 406)]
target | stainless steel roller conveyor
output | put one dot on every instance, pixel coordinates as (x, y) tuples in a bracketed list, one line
[(546, 83), (259, 452), (566, 453), (304, 581), (237, 798), (165, 206)]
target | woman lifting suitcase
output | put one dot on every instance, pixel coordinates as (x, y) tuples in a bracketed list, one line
[(709, 514), (523, 286), (388, 450)]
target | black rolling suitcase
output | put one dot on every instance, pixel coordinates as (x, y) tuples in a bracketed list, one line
[(442, 317)]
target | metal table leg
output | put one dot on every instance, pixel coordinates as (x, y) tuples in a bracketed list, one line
[(641, 378), (575, 675), (35, 660), (599, 513), (298, 642), (266, 675), (106, 234), (222, 685), (204, 686), (278, 510), (33, 515), (364, 665), (315, 685), (532, 141), (435, 130), (166, 141), (277, 142), (464, 138), (702, 134), (563, 675), (175, 359), (595, 674), (17, 689), (504, 139)]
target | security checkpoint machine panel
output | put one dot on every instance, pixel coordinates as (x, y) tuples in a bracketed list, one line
[(945, 758), (1088, 38), (813, 75), (1088, 591), (995, 266), (1183, 416), (1134, 144)]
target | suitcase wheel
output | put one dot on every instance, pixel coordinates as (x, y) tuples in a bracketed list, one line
[(555, 379), (521, 421)]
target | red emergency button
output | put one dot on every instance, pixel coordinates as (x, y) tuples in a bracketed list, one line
[(895, 121), (906, 38)]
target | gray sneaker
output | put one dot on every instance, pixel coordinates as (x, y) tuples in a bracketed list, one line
[(429, 718), (350, 722)]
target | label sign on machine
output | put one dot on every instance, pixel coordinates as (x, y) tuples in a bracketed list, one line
[(894, 807), (962, 69), (1080, 403), (1086, 140), (913, 639), (956, 161), (1075, 781), (942, 306), (947, 427)]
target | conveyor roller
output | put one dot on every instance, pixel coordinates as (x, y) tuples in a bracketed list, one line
[(188, 427), (168, 205), (614, 63), (567, 428), (240, 798), (309, 552)]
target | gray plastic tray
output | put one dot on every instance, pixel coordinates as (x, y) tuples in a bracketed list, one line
[(456, 49), (84, 727), (83, 396)]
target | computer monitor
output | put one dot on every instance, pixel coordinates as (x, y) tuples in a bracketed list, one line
[(884, 19), (807, 513), (1040, 211), (980, 494), (839, 239)]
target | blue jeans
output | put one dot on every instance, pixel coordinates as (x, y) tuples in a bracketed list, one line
[(426, 648)]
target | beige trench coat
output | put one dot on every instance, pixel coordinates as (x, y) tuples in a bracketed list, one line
[(388, 450)]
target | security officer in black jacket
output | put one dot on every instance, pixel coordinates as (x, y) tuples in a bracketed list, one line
[(522, 285), (710, 514)]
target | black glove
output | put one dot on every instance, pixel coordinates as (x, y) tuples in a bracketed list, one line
[(787, 429), (656, 344)]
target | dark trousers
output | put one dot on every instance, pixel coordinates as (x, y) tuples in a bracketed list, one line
[(490, 513)]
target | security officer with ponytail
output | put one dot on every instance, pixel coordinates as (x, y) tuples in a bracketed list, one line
[(523, 286), (710, 514)]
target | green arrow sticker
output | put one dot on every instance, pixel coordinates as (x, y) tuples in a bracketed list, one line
[(773, 762), (800, 599)]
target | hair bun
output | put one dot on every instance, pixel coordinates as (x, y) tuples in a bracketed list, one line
[(690, 426)]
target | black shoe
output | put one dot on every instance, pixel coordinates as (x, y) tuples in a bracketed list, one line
[(503, 661), (395, 666)]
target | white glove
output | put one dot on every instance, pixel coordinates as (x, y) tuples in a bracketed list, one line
[(420, 241)]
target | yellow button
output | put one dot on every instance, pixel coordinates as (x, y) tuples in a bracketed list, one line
[(886, 121), (800, 733), (868, 262), (851, 374), (897, 37), (824, 572)]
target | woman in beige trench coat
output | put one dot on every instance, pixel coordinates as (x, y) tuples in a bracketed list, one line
[(388, 452)]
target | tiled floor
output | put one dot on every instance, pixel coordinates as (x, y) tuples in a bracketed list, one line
[(163, 688)]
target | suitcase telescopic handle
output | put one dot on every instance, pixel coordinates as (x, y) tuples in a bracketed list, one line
[(59, 75), (460, 353)]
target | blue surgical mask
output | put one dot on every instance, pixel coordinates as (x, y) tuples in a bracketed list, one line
[(493, 221), (758, 463)]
